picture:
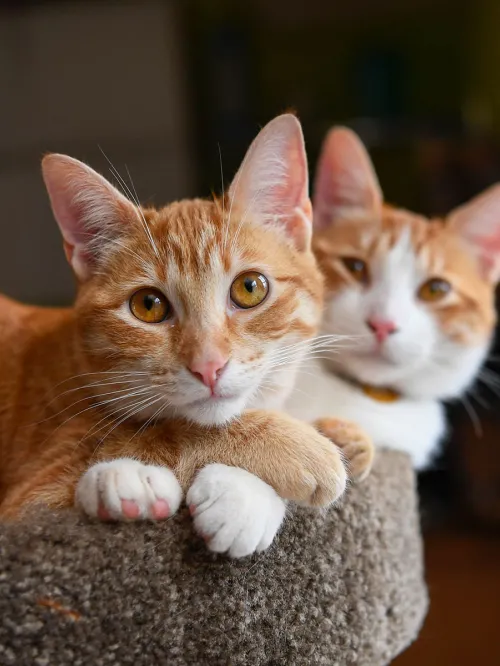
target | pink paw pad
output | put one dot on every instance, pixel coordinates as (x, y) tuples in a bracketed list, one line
[(160, 510), (103, 513), (130, 509), (192, 509)]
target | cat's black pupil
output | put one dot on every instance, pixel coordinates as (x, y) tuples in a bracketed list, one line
[(250, 285), (355, 265), (149, 301), (437, 286)]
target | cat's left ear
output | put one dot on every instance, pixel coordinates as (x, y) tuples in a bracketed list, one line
[(272, 183), (478, 223), (90, 212), (346, 185)]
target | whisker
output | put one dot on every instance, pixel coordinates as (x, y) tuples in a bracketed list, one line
[(155, 247), (88, 397), (116, 241), (243, 218), (94, 406), (145, 425), (112, 382), (317, 354), (236, 183), (494, 388), (480, 400), (473, 415), (147, 404), (226, 221), (136, 203), (319, 340), (101, 372), (110, 418)]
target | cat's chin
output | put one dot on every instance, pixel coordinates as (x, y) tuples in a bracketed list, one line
[(372, 368), (214, 411)]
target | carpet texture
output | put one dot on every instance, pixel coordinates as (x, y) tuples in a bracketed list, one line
[(343, 588)]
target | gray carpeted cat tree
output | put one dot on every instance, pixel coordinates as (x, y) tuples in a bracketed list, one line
[(343, 588)]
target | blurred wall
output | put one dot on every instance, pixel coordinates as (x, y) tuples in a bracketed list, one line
[(73, 77)]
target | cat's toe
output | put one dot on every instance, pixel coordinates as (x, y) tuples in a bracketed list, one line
[(125, 489), (356, 446), (234, 511), (165, 491)]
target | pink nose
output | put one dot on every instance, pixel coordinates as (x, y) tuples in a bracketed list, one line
[(208, 371), (381, 328)]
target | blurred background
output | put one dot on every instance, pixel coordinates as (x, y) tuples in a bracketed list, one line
[(158, 87)]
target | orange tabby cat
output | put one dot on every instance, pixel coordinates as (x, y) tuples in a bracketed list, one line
[(417, 295), (185, 317)]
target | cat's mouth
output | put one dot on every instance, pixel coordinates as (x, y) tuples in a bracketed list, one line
[(214, 398)]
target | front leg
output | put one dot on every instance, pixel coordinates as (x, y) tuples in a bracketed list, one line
[(233, 509), (289, 455)]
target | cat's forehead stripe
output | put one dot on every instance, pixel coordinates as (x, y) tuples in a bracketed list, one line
[(200, 253)]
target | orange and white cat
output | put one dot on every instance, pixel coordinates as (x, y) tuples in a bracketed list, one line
[(415, 295), (186, 318)]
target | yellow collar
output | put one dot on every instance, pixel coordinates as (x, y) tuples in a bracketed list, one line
[(380, 393)]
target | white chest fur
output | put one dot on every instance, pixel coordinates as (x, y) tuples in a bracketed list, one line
[(413, 426)]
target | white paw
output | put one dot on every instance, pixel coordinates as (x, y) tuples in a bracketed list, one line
[(125, 489), (234, 511)]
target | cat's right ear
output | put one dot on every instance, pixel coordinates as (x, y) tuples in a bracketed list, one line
[(88, 210), (272, 184), (346, 184)]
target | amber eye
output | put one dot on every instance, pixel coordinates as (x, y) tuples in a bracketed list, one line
[(434, 290), (357, 268), (150, 305), (249, 290)]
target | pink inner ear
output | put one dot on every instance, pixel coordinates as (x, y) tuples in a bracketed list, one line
[(71, 190), (292, 199), (295, 192), (272, 182), (85, 206), (345, 180), (478, 223), (487, 251), (488, 244), (82, 200)]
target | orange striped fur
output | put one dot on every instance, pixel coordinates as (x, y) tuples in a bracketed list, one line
[(93, 383)]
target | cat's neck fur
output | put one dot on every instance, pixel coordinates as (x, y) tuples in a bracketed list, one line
[(412, 425)]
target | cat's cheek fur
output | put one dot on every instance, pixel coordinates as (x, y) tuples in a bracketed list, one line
[(126, 489), (234, 511), (448, 376)]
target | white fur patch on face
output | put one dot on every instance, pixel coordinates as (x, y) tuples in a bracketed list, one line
[(418, 358)]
